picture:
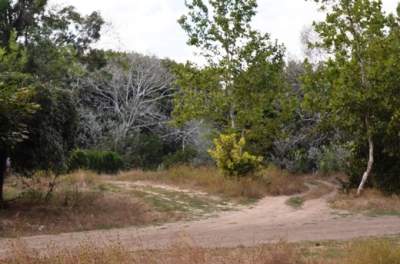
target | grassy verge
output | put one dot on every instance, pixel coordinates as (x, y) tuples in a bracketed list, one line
[(372, 251), (270, 181), (372, 202)]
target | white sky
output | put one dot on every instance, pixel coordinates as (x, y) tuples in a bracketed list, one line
[(150, 27)]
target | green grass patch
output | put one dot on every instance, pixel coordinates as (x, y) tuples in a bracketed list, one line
[(295, 202), (106, 187), (173, 201), (11, 193), (382, 212)]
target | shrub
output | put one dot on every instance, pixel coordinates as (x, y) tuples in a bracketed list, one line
[(99, 161), (231, 158), (78, 160), (142, 151), (332, 159), (179, 158)]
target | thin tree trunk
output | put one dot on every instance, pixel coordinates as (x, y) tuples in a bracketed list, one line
[(3, 167), (369, 167), (232, 117)]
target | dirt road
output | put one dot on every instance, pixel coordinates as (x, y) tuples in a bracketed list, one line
[(267, 221)]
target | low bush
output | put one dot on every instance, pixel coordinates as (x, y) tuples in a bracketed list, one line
[(231, 158), (179, 158), (99, 161)]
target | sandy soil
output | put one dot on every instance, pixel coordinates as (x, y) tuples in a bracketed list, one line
[(269, 220)]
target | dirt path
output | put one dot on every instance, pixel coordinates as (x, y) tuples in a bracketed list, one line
[(267, 221)]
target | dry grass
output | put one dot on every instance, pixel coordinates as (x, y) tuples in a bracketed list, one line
[(372, 202), (77, 204), (281, 253), (83, 201), (372, 251), (320, 189), (270, 181)]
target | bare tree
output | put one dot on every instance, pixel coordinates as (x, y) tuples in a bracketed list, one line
[(129, 94)]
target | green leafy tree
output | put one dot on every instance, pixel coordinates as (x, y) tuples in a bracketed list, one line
[(16, 104), (18, 17), (238, 88), (356, 87), (52, 133), (42, 51)]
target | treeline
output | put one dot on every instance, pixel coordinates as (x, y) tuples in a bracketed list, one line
[(66, 105)]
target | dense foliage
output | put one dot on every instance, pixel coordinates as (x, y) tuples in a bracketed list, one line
[(95, 160), (356, 87), (52, 132), (242, 85)]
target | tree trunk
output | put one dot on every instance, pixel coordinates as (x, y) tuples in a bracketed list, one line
[(369, 167), (3, 167), (232, 117)]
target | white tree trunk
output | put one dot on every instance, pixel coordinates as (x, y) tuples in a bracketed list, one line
[(232, 117), (369, 167)]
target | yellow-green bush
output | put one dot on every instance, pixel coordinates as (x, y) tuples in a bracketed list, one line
[(231, 158)]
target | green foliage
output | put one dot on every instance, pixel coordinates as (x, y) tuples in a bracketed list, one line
[(99, 161), (300, 161), (332, 159), (231, 157), (16, 93), (79, 160), (356, 88), (52, 131), (179, 157), (240, 87), (386, 172), (143, 151)]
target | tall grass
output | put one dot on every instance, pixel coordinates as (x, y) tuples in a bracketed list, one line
[(270, 181)]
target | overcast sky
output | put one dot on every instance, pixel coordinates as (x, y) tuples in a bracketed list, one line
[(150, 27)]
